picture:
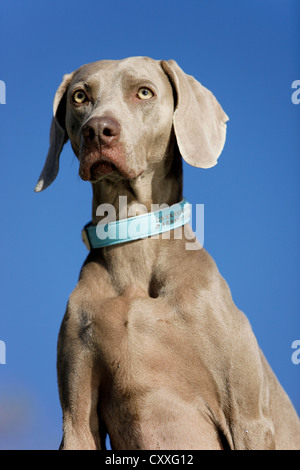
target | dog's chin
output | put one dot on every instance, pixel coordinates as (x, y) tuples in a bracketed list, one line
[(95, 167), (110, 172), (101, 169)]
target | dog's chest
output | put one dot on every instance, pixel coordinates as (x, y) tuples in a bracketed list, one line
[(126, 325), (142, 339), (147, 354)]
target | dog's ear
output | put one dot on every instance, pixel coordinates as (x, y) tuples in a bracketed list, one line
[(199, 121), (58, 136)]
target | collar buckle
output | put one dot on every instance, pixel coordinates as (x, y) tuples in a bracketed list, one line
[(85, 238)]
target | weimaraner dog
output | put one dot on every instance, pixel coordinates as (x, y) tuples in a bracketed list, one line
[(152, 350)]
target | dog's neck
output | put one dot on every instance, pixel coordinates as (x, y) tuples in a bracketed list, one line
[(158, 186), (132, 266)]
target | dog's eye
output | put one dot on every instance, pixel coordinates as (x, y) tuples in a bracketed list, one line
[(144, 93), (79, 97)]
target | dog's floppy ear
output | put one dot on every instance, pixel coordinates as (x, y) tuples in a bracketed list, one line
[(199, 121), (58, 136)]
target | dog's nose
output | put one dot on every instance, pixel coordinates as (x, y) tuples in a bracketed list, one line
[(101, 129)]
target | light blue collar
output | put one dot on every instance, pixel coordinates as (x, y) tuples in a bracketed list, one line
[(134, 228)]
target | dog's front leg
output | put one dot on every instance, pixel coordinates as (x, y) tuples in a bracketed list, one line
[(78, 381)]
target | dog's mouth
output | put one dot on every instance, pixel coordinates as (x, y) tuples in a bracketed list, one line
[(100, 168), (95, 167), (111, 163)]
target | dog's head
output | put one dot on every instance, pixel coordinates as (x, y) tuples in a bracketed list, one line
[(120, 117)]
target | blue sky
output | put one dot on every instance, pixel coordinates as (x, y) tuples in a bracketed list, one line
[(247, 53)]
